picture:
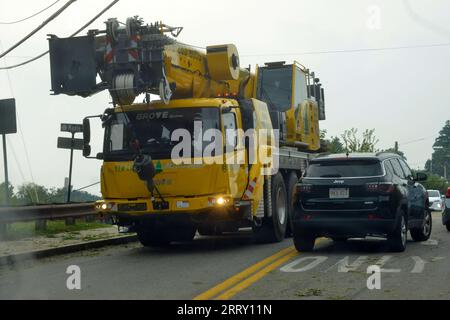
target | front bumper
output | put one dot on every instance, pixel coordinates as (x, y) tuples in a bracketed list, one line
[(436, 206), (173, 205)]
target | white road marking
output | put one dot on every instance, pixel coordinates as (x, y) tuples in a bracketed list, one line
[(383, 261), (430, 242), (291, 267), (345, 266), (419, 265)]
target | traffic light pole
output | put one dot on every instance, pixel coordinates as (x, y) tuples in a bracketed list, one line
[(5, 160)]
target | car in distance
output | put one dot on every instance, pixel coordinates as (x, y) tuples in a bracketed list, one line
[(446, 213), (435, 200), (359, 195)]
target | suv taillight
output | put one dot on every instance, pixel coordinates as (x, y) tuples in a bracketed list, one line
[(448, 194), (304, 188), (380, 187)]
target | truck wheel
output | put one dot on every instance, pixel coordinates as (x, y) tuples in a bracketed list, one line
[(304, 242), (153, 238), (424, 233), (448, 226), (273, 229), (185, 233), (291, 191), (397, 239)]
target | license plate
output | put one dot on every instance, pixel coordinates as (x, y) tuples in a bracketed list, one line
[(343, 193)]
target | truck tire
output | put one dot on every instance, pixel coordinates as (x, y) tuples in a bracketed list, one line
[(424, 233), (206, 230), (448, 226), (304, 242), (153, 238), (273, 229), (397, 239), (184, 233), (164, 236), (291, 191)]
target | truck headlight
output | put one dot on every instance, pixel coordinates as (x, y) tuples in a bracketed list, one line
[(218, 201)]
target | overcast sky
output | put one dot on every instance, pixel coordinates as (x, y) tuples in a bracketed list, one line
[(404, 94)]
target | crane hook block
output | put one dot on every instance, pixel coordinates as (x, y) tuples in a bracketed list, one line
[(223, 62)]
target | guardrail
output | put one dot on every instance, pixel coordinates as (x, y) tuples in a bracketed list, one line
[(46, 212)]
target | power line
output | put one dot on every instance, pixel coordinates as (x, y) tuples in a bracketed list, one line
[(32, 16), (426, 23), (43, 24), (351, 50), (91, 185), (74, 34), (418, 140)]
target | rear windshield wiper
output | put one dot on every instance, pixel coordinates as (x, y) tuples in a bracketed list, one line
[(331, 176)]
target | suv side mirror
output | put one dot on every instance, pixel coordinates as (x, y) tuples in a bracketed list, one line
[(86, 137), (420, 177)]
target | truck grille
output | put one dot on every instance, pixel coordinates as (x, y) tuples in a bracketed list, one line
[(130, 207)]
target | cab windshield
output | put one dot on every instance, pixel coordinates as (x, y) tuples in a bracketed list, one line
[(154, 129)]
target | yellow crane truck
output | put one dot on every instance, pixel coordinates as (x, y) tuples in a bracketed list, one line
[(157, 178)]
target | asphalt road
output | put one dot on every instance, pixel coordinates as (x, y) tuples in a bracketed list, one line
[(233, 267)]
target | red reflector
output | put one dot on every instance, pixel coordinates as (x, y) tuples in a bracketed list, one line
[(448, 193), (307, 217), (373, 217)]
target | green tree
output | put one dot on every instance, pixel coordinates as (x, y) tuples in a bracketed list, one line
[(436, 182), (336, 145), (440, 162), (60, 196), (12, 197), (31, 193), (366, 143), (332, 145)]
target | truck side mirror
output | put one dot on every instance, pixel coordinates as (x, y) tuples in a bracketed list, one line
[(86, 131), (87, 138)]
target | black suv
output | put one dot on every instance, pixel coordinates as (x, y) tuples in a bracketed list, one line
[(359, 195)]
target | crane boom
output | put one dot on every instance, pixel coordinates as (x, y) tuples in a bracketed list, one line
[(139, 59)]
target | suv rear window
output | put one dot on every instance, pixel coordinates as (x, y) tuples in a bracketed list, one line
[(344, 169)]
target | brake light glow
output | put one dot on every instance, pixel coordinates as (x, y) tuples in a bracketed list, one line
[(448, 194)]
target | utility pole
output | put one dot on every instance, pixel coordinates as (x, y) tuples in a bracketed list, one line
[(396, 147)]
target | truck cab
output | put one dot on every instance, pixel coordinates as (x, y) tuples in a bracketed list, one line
[(203, 171)]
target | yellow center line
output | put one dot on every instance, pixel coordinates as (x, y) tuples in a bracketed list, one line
[(256, 277), (242, 275), (239, 282)]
